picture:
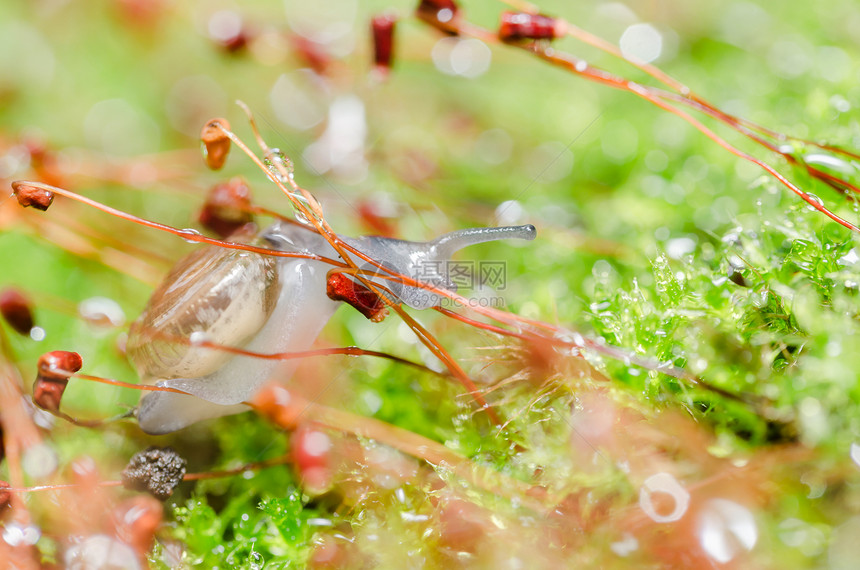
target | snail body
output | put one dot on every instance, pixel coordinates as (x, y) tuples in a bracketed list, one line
[(262, 304)]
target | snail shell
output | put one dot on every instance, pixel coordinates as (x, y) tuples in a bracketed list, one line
[(220, 295), (260, 303)]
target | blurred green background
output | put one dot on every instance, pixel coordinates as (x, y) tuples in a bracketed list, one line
[(641, 219)]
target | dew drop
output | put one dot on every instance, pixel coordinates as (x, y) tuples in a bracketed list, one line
[(413, 517), (462, 57), (101, 311), (815, 199), (197, 338), (15, 534), (855, 454), (316, 444), (641, 42), (280, 167), (830, 162), (663, 484), (100, 551), (726, 529), (256, 560), (400, 495), (224, 25), (626, 546), (302, 219), (39, 461), (189, 232), (849, 258)]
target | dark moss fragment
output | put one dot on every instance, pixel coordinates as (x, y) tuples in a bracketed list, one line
[(156, 470)]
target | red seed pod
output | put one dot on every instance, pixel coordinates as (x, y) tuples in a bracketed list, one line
[(312, 54), (28, 195), (339, 287), (382, 27), (279, 405), (53, 365), (85, 472), (49, 393), (17, 310), (51, 381), (236, 43), (227, 29), (311, 450), (463, 525), (331, 552), (38, 152), (521, 26), (441, 14), (227, 207), (91, 501), (215, 143), (136, 520), (141, 13), (378, 222), (43, 162)]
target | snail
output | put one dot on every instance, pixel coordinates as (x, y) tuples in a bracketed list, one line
[(262, 304)]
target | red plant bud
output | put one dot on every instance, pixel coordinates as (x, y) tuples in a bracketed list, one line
[(49, 393), (136, 520), (51, 380), (227, 207), (279, 405), (312, 54), (59, 361), (43, 162), (339, 287), (311, 451), (330, 552), (216, 143), (376, 220), (383, 39), (142, 13), (16, 310), (29, 195), (85, 473), (227, 29), (463, 525), (235, 43), (440, 14), (521, 26)]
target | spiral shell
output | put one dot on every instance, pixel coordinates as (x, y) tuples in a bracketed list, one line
[(214, 294)]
